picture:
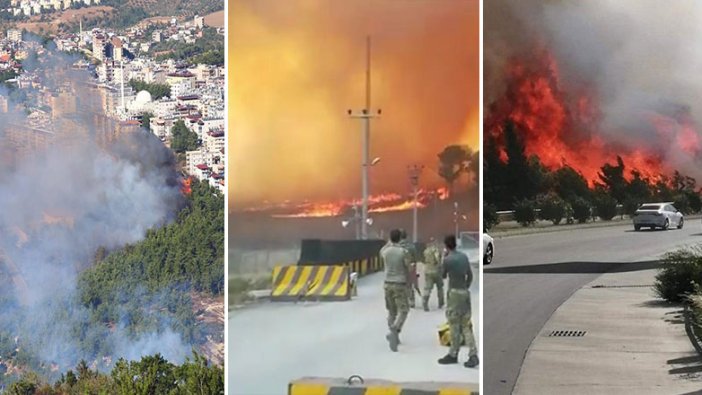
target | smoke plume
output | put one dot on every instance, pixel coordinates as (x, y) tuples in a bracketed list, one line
[(87, 187)]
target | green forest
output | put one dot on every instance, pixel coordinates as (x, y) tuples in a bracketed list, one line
[(150, 375), (187, 255), (208, 49), (523, 184)]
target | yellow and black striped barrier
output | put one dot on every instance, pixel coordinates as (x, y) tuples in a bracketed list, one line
[(319, 282), (365, 266), (325, 386)]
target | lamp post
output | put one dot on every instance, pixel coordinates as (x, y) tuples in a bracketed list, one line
[(414, 172)]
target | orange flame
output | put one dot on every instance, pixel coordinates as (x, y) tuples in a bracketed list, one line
[(186, 188), (380, 203), (563, 128)]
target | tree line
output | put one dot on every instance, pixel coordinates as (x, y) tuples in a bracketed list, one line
[(523, 184), (150, 375)]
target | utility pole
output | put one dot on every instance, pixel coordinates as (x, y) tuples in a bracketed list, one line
[(414, 172), (356, 222), (455, 218), (366, 116)]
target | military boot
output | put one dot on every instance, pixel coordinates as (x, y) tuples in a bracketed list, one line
[(448, 359), (472, 362)]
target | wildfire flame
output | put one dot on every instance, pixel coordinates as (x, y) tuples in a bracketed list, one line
[(186, 188), (380, 203), (563, 128)]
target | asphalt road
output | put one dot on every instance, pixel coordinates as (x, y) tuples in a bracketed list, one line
[(532, 275), (271, 344)]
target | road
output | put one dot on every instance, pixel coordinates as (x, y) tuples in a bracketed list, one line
[(271, 344), (532, 275)]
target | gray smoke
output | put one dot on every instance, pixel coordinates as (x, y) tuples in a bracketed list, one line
[(87, 189), (641, 58)]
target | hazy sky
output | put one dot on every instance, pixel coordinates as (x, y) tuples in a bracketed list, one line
[(296, 67)]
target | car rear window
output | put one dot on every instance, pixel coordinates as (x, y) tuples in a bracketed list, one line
[(649, 207)]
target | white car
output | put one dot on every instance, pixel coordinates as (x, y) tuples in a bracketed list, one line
[(658, 215), (488, 249)]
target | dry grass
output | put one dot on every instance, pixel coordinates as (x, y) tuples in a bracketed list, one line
[(215, 19)]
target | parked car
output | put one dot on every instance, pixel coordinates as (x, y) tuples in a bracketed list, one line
[(658, 215), (468, 243), (488, 249)]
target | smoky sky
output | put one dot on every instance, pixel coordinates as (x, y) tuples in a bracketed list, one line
[(295, 68)]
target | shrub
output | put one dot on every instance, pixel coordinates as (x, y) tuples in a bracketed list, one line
[(490, 217), (553, 208), (525, 212), (581, 209), (681, 270), (606, 207), (682, 203)]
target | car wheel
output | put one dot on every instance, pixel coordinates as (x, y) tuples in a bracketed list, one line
[(681, 223), (637, 228), (487, 257), (667, 224)]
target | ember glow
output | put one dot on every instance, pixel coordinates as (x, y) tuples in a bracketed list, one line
[(297, 67), (563, 127)]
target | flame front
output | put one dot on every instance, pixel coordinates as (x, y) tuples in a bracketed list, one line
[(562, 126)]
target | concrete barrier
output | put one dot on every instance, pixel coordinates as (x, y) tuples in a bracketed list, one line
[(361, 256), (355, 385), (319, 282)]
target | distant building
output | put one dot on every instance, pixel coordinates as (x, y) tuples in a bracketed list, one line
[(117, 51), (99, 41), (157, 36), (199, 21), (14, 35)]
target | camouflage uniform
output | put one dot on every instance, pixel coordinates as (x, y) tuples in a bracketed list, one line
[(412, 251), (432, 275), (458, 308), (396, 260)]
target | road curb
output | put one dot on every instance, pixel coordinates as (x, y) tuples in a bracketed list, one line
[(355, 385)]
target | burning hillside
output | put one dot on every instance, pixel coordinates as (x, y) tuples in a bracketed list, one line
[(377, 204), (72, 197), (579, 99)]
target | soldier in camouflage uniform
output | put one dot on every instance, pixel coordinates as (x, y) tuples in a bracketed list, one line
[(432, 274), (409, 246), (458, 308), (397, 262)]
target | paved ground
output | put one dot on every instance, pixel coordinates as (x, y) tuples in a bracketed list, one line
[(532, 275), (271, 344), (634, 343)]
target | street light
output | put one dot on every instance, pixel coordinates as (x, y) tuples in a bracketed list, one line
[(357, 221)]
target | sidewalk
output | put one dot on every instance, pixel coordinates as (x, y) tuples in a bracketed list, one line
[(634, 343)]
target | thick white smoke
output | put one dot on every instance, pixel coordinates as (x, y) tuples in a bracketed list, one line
[(58, 205)]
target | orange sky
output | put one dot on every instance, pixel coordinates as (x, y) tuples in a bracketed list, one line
[(295, 67)]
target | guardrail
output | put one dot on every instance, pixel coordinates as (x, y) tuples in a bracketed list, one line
[(508, 215)]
